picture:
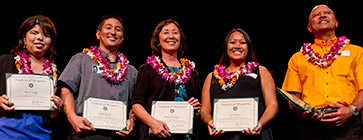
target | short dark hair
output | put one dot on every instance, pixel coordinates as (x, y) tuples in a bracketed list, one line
[(46, 25), (108, 16), (251, 54), (155, 42)]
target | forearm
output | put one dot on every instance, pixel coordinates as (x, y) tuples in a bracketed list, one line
[(142, 114), (68, 106), (205, 116), (358, 101), (269, 114)]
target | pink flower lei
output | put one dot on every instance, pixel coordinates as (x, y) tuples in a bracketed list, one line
[(182, 76), (113, 76), (227, 80), (23, 65), (328, 58)]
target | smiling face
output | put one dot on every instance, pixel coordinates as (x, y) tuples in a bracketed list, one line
[(322, 18), (169, 38), (237, 48), (111, 34), (37, 42)]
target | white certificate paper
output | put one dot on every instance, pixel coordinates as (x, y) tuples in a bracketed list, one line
[(235, 114), (178, 115), (105, 114), (30, 92)]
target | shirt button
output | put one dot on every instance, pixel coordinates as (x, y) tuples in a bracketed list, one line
[(326, 83), (327, 72)]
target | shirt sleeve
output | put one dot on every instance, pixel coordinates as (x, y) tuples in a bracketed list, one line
[(141, 88), (292, 81), (359, 69), (71, 76)]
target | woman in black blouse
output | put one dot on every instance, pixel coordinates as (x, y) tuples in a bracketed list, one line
[(242, 77), (165, 77)]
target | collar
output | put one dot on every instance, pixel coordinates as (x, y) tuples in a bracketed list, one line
[(323, 43), (105, 54)]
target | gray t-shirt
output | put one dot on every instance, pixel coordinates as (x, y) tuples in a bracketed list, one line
[(81, 76)]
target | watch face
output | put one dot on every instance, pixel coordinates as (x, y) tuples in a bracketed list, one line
[(356, 111)]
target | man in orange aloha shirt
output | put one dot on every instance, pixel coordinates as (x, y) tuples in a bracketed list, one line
[(327, 74)]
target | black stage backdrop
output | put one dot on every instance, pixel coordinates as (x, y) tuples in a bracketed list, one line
[(277, 30)]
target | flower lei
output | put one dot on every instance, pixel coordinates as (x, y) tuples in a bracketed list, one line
[(23, 65), (113, 76), (182, 76), (227, 80), (328, 58)]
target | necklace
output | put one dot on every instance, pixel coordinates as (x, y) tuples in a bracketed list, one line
[(227, 80), (182, 76), (328, 58), (23, 65), (113, 76)]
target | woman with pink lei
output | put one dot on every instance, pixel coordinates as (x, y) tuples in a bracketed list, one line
[(238, 75), (165, 77), (34, 54)]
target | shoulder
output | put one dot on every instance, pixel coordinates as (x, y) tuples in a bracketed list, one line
[(5, 57), (132, 70)]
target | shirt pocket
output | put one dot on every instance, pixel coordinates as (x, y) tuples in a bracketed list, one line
[(343, 70)]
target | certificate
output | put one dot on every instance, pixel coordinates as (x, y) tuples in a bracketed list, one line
[(178, 115), (105, 114), (30, 92), (235, 114)]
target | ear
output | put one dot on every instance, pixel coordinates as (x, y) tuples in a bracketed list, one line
[(336, 23), (24, 40), (98, 34), (309, 28), (122, 39)]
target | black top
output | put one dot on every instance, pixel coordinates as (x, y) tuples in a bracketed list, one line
[(150, 86), (7, 65), (248, 85)]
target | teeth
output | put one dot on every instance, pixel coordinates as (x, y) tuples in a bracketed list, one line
[(323, 22)]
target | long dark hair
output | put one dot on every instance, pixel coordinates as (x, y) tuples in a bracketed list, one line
[(155, 42), (46, 25), (250, 55)]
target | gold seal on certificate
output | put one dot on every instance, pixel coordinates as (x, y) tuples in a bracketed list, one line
[(105, 114), (178, 115), (30, 92), (235, 114)]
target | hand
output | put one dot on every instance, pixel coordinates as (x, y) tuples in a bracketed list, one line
[(5, 104), (129, 128), (195, 103), (257, 130), (212, 129), (58, 102), (335, 119), (80, 124), (160, 129)]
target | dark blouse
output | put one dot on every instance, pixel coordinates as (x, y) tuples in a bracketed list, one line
[(150, 86), (248, 85), (7, 65)]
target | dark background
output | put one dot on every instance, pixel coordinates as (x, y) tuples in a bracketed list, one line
[(277, 30)]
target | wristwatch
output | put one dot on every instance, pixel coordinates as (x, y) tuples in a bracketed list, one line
[(355, 110)]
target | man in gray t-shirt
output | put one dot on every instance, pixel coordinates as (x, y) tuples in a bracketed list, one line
[(99, 72)]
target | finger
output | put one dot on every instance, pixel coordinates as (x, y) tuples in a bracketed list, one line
[(121, 134), (5, 107), (88, 125), (5, 97), (191, 99)]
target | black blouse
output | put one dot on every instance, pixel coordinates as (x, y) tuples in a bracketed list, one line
[(150, 86), (248, 85)]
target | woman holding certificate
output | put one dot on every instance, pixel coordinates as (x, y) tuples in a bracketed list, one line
[(33, 56), (165, 77), (239, 83)]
